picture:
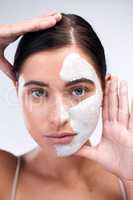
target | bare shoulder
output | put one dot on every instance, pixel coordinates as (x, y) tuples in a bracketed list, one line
[(8, 164)]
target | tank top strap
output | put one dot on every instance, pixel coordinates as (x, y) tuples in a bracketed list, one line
[(123, 189), (15, 180)]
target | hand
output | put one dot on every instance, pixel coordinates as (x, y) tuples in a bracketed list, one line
[(10, 33), (115, 151)]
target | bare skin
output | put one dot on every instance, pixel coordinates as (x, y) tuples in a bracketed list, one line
[(44, 174), (9, 33)]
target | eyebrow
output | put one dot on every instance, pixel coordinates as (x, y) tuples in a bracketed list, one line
[(43, 84), (33, 82), (80, 80)]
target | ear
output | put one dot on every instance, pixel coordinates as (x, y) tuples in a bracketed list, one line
[(107, 77)]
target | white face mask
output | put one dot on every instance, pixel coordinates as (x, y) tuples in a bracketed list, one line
[(84, 116)]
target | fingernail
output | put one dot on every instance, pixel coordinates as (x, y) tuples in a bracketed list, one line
[(58, 16)]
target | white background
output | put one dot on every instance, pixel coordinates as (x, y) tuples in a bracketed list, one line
[(113, 22)]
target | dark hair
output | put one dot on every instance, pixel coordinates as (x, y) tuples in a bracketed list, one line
[(72, 29)]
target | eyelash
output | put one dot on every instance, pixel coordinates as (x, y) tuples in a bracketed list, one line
[(45, 93), (40, 90), (85, 89)]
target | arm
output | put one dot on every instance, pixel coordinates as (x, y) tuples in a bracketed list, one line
[(7, 169)]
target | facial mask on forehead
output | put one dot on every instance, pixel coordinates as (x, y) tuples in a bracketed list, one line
[(84, 116)]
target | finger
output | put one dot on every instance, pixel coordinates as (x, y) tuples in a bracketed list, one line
[(105, 102), (6, 67), (55, 15), (113, 99), (51, 12), (131, 117), (36, 25), (123, 111), (28, 26), (58, 17), (31, 27)]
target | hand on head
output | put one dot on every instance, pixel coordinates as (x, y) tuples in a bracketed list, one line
[(10, 33)]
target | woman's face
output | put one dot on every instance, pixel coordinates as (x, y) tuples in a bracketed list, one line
[(60, 92)]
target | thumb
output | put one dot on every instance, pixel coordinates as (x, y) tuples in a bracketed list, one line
[(88, 152)]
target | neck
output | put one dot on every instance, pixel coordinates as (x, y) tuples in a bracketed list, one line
[(62, 168)]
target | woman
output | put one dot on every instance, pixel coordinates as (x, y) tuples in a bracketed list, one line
[(59, 75)]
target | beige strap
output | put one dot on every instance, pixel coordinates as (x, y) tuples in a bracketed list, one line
[(15, 180), (123, 189)]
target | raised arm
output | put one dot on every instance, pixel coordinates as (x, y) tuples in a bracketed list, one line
[(10, 32)]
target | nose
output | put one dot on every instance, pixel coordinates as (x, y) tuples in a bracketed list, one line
[(59, 116)]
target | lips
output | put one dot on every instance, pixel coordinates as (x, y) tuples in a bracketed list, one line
[(59, 135), (60, 138)]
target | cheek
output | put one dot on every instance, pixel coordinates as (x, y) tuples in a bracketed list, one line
[(84, 116), (34, 113)]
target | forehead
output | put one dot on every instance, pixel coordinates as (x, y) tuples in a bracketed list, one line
[(48, 64)]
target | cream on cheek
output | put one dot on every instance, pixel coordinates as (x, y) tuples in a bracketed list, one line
[(84, 116)]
